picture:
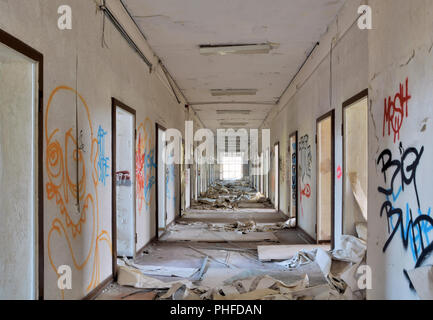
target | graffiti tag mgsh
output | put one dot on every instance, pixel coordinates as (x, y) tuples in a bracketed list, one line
[(395, 111)]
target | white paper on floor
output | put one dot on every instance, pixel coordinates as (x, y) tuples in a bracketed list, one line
[(350, 250), (130, 276), (165, 271), (200, 235)]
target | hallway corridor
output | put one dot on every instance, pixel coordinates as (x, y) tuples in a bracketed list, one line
[(216, 150)]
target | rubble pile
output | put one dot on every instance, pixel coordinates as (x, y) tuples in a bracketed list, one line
[(228, 195), (342, 282)]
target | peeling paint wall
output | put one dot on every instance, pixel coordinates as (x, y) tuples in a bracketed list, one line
[(399, 209), (77, 65)]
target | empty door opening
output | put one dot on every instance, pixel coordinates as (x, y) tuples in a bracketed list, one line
[(355, 165), (277, 175), (325, 178), (161, 181), (21, 186), (123, 148), (293, 174)]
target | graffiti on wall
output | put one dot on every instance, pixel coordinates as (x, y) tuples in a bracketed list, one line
[(306, 158), (145, 164), (396, 109), (408, 222), (305, 164), (102, 158), (293, 168), (72, 183), (170, 179)]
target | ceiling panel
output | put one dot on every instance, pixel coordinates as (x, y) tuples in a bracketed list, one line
[(176, 28)]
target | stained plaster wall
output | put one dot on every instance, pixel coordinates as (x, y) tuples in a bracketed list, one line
[(75, 59), (400, 48), (310, 96)]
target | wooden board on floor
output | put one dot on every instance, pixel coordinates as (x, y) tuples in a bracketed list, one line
[(202, 235), (285, 252)]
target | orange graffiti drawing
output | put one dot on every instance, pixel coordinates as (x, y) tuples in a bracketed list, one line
[(72, 218)]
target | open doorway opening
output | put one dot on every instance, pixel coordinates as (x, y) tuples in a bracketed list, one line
[(355, 165), (266, 165), (325, 178), (161, 181), (21, 185), (277, 175), (123, 148), (293, 174)]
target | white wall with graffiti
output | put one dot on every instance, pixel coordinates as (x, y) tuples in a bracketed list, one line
[(83, 69), (401, 150)]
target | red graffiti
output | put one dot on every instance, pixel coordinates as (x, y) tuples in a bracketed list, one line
[(305, 192), (395, 112), (339, 173)]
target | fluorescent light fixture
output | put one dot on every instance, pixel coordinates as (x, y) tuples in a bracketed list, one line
[(233, 92), (233, 124), (222, 50), (244, 112)]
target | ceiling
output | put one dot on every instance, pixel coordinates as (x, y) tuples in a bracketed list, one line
[(176, 28)]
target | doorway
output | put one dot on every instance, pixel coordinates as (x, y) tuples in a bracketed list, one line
[(21, 186), (188, 188), (277, 175), (123, 173), (293, 173), (355, 165), (325, 178), (266, 173), (161, 181)]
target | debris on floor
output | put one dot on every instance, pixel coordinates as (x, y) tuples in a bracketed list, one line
[(284, 252), (252, 226), (206, 235), (133, 277), (340, 282), (166, 271), (230, 195)]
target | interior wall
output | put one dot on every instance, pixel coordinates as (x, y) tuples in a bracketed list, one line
[(18, 143), (315, 91), (401, 60), (76, 59)]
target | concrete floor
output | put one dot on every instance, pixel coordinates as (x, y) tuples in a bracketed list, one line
[(227, 260)]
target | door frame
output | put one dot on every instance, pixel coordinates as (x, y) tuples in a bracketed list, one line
[(19, 46), (114, 104), (180, 167), (157, 126), (278, 180), (359, 96), (323, 117), (295, 134)]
